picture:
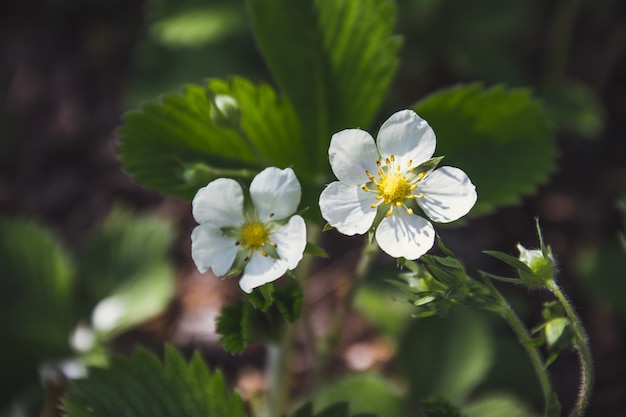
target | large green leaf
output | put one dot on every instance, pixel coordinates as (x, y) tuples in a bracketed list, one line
[(36, 305), (366, 393), (501, 137), (36, 287), (175, 147), (143, 386), (334, 59), (446, 358)]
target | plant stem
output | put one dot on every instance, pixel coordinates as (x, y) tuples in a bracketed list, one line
[(518, 327), (332, 339), (582, 349)]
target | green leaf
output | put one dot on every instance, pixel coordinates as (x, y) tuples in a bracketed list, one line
[(37, 310), (575, 108), (366, 393), (446, 358), (174, 146), (502, 138), (288, 300), (36, 278), (334, 59), (498, 405), (232, 325), (143, 386), (439, 407), (340, 409), (126, 247)]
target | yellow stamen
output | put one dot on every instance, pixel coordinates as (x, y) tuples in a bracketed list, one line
[(409, 210), (421, 175), (389, 213), (253, 235)]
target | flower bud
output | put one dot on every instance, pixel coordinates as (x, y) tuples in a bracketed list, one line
[(225, 111), (541, 264)]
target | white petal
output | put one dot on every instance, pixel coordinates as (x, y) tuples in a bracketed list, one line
[(211, 249), (404, 234), (351, 153), (448, 194), (408, 137), (291, 241), (219, 203), (261, 270), (347, 208), (275, 191)]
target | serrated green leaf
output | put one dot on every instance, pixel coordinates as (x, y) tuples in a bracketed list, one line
[(143, 386), (502, 138), (334, 59), (232, 325), (173, 145)]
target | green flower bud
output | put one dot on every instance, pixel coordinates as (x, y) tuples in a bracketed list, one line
[(541, 264), (225, 111)]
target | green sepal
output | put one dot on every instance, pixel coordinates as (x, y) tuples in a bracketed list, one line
[(428, 166), (288, 299), (509, 260), (261, 297), (500, 278), (327, 227), (314, 250)]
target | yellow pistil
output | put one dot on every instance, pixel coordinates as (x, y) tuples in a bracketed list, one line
[(394, 188), (253, 235)]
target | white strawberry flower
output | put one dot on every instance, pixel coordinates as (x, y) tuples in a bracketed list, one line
[(389, 179), (259, 235)]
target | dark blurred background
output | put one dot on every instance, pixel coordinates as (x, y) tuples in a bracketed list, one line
[(70, 68)]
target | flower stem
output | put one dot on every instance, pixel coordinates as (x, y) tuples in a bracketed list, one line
[(518, 327), (332, 339), (582, 349)]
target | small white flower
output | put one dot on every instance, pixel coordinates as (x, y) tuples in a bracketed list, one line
[(263, 237), (388, 177)]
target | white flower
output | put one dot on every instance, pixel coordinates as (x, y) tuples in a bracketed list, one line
[(388, 177), (259, 235)]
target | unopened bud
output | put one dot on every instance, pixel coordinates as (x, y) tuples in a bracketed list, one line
[(225, 111), (542, 266)]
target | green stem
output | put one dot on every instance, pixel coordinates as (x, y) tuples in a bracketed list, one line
[(518, 327), (278, 354), (582, 349), (332, 339)]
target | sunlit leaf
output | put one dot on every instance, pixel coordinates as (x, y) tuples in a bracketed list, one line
[(501, 137), (144, 386), (334, 59), (174, 146)]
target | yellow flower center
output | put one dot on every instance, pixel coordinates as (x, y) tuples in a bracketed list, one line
[(394, 184), (394, 188), (253, 235)]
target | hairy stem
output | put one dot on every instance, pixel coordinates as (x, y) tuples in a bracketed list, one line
[(518, 327), (582, 349)]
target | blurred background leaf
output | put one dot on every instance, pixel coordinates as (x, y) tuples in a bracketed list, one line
[(366, 393), (37, 304)]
